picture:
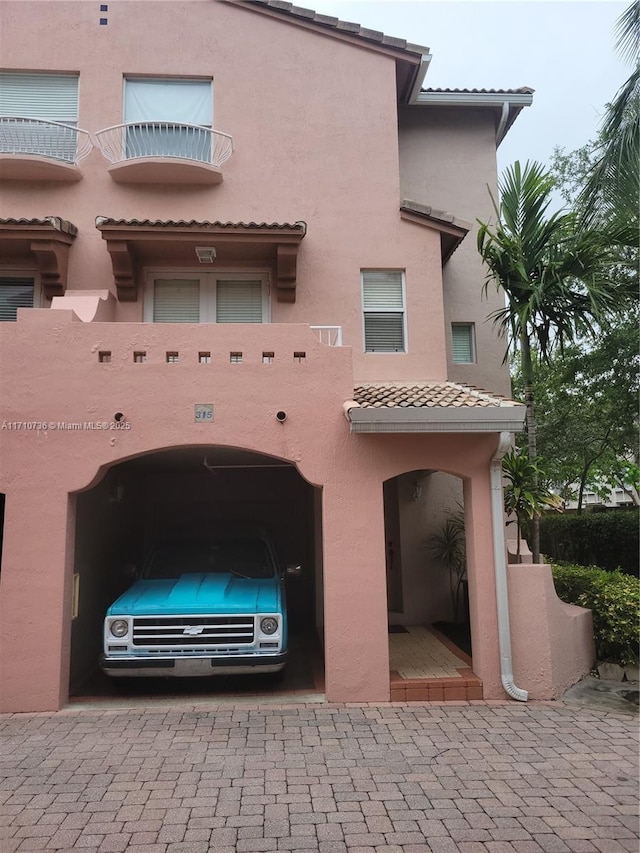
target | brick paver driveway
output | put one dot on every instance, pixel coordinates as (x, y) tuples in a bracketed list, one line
[(318, 777)]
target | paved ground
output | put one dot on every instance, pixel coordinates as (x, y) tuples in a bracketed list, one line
[(240, 777)]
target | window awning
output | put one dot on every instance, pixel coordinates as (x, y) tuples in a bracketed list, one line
[(431, 407), (134, 243), (43, 243)]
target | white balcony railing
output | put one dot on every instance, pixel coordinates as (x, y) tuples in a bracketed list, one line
[(136, 140), (40, 138), (329, 335)]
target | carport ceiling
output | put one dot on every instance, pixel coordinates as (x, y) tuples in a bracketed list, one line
[(193, 458)]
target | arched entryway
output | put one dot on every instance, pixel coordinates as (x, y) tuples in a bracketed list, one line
[(430, 648), (177, 495)]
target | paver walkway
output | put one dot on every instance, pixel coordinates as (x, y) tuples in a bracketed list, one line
[(239, 778)]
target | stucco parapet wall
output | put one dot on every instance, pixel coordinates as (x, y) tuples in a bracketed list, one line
[(431, 407), (90, 306), (451, 228)]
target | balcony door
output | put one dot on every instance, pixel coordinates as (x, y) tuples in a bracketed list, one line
[(206, 298), (168, 118)]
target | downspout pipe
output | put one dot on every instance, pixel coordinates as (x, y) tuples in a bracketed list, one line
[(500, 563)]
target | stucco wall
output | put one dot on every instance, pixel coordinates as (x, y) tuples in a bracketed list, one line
[(43, 468), (315, 134), (448, 161)]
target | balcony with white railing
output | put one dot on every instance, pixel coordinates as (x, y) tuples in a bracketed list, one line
[(331, 336), (165, 152), (37, 150)]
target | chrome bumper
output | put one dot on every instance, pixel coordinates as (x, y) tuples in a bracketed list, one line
[(189, 667)]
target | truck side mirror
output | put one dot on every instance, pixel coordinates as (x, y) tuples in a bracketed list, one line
[(293, 571)]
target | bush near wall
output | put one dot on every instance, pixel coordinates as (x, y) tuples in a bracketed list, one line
[(607, 539), (614, 600)]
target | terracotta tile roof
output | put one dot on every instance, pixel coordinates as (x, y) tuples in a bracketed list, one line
[(426, 395), (433, 213), (346, 27), (54, 222), (523, 90), (194, 223)]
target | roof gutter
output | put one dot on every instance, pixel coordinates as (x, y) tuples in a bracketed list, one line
[(423, 419), (500, 563)]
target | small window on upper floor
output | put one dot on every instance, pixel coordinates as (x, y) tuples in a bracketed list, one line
[(463, 343), (39, 115), (168, 118), (206, 298), (384, 311), (15, 292)]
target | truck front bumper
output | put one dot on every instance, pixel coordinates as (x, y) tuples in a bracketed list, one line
[(188, 667)]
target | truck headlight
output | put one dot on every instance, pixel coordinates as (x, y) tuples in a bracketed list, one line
[(268, 625), (119, 627)]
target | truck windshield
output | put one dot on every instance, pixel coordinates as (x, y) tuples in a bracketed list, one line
[(247, 558)]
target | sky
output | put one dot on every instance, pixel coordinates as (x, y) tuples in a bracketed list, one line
[(564, 50)]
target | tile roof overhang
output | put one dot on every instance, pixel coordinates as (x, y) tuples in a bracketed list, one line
[(506, 104), (134, 242), (431, 407), (452, 230), (412, 60), (44, 243)]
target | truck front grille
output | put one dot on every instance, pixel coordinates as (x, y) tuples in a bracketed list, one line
[(177, 632)]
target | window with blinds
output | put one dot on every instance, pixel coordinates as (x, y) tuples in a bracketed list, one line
[(176, 301), (206, 299), (157, 108), (463, 344), (46, 97), (239, 302), (15, 293), (383, 307)]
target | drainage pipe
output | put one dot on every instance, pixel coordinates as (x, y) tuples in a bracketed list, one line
[(500, 562)]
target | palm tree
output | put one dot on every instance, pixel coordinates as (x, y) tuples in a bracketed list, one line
[(525, 496), (552, 275), (610, 195)]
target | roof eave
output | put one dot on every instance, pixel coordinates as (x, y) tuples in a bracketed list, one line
[(506, 105), (421, 419)]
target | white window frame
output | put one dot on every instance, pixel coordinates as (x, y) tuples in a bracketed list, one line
[(208, 287), (472, 341), (39, 298), (405, 339)]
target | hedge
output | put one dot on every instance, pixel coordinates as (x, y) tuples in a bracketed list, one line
[(610, 540), (614, 599)]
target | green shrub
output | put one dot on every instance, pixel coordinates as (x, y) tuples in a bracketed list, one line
[(614, 600), (609, 539)]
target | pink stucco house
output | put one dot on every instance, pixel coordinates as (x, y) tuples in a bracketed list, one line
[(241, 236)]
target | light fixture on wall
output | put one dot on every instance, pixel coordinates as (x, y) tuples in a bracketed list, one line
[(206, 254), (416, 491)]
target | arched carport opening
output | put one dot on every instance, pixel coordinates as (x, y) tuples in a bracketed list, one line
[(179, 494), (427, 587)]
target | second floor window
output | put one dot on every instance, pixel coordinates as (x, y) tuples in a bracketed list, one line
[(168, 118), (383, 308), (207, 298), (39, 114), (463, 343), (15, 292)]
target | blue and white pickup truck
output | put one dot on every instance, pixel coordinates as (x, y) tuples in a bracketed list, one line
[(204, 607)]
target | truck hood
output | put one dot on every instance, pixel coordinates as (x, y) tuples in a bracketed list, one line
[(199, 593)]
